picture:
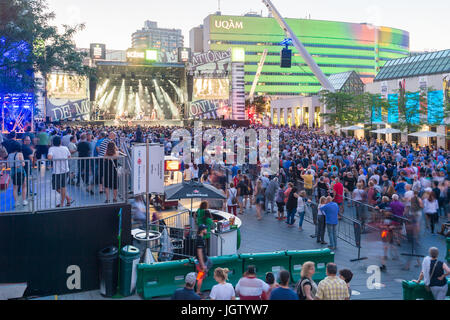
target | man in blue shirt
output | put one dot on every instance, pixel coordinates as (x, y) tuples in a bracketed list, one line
[(187, 293), (283, 292), (234, 170), (331, 211)]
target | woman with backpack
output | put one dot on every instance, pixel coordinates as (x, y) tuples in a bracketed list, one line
[(306, 288), (232, 202), (291, 206), (18, 175), (434, 273), (279, 199)]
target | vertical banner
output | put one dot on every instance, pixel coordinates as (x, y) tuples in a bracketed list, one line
[(423, 87), (156, 169), (393, 108), (446, 85)]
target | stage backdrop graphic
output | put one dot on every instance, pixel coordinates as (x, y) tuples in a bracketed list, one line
[(67, 97)]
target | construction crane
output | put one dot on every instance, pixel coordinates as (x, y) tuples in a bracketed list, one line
[(299, 46), (258, 74)]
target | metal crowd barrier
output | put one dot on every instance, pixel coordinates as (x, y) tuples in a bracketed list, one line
[(54, 184), (16, 191), (357, 218), (80, 182)]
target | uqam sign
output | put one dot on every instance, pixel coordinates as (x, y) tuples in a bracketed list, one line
[(228, 24)]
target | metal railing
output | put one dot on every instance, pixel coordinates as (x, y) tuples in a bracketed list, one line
[(360, 217), (61, 183), (80, 182), (16, 191)]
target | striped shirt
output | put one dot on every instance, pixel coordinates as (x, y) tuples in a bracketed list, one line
[(251, 288), (332, 288), (103, 146)]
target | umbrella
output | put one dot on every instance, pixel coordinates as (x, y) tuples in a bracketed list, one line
[(426, 134), (386, 131), (193, 190), (352, 128)]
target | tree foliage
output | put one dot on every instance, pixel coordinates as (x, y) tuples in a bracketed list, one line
[(259, 102), (344, 108), (29, 44)]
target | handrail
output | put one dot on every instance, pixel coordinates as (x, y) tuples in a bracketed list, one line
[(170, 217)]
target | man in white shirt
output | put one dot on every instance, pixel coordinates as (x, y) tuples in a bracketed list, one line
[(60, 155)]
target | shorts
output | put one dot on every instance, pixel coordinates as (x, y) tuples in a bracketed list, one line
[(18, 177), (59, 181), (280, 207), (41, 151), (208, 264), (259, 199)]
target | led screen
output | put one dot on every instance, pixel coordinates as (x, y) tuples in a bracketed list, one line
[(64, 86), (211, 89)]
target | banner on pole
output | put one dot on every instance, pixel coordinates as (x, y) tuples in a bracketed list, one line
[(156, 169)]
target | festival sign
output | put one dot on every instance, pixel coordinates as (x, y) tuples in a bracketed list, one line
[(211, 63), (63, 109), (207, 109)]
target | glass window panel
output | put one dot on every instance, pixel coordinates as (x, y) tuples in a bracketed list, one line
[(422, 57)]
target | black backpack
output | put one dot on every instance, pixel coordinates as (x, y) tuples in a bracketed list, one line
[(299, 288)]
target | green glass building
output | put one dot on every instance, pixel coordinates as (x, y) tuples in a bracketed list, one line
[(335, 46)]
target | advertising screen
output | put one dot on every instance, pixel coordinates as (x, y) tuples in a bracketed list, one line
[(64, 86), (211, 89), (98, 51)]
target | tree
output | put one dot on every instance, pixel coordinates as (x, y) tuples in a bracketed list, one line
[(29, 45), (410, 110), (259, 102), (343, 108)]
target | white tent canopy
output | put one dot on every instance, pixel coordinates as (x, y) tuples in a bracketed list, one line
[(386, 131), (426, 134), (353, 128)]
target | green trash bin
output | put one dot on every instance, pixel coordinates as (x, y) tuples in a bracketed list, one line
[(129, 259)]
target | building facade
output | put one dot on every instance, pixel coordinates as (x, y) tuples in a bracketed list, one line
[(165, 40), (335, 46), (425, 74)]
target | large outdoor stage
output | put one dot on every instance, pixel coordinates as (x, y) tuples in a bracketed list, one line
[(140, 92)]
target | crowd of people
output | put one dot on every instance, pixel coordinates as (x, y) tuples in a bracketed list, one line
[(82, 157), (396, 187), (336, 286)]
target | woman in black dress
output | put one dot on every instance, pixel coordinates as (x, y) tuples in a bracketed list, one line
[(111, 180)]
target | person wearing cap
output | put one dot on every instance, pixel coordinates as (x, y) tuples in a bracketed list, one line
[(202, 263), (187, 293), (250, 287)]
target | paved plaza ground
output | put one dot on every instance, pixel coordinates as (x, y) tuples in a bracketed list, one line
[(271, 235)]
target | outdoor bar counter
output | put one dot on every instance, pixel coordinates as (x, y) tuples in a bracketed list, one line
[(225, 242)]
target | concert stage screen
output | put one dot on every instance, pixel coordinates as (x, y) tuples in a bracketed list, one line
[(211, 89), (126, 92)]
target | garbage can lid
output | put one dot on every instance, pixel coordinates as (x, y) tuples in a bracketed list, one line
[(108, 252), (129, 251)]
